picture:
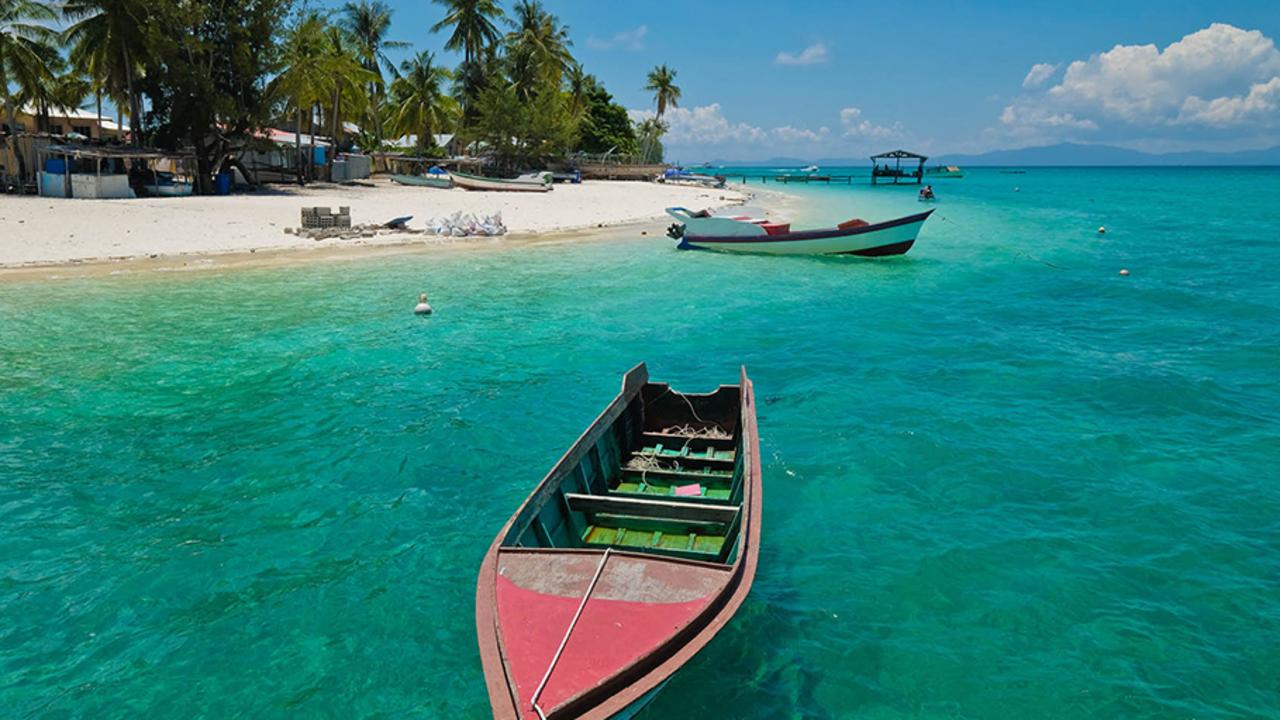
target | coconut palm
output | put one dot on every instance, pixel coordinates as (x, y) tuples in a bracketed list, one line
[(474, 31), (368, 22), (25, 50), (105, 39), (538, 48), (303, 76), (347, 81), (662, 83), (419, 103)]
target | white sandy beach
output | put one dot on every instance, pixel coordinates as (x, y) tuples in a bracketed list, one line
[(48, 231)]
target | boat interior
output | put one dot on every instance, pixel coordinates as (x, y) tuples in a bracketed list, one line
[(663, 476)]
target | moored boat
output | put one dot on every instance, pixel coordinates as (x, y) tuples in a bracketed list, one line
[(532, 182), (430, 180), (752, 233), (944, 171), (629, 556)]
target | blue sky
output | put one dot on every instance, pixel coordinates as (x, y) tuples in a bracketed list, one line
[(840, 79)]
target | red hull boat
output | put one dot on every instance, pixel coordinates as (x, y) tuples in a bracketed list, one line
[(629, 556)]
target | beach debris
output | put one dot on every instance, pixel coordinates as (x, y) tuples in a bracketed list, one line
[(462, 224), (322, 223), (324, 217), (1124, 271), (422, 308), (711, 432)]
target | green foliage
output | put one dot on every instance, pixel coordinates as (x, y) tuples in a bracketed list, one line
[(419, 104), (661, 81), (28, 57), (474, 31), (605, 125), (206, 73), (520, 134)]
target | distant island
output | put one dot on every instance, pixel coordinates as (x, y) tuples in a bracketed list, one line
[(1060, 154)]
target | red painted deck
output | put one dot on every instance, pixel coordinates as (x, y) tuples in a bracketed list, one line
[(538, 593)]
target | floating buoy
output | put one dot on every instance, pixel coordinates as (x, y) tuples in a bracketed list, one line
[(1124, 271), (1102, 230), (422, 308), (1017, 189)]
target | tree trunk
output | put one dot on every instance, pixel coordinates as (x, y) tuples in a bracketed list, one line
[(135, 104), (298, 140), (335, 126), (11, 117)]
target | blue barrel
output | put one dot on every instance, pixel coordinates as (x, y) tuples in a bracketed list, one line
[(222, 183)]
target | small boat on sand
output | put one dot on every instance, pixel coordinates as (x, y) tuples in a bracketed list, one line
[(627, 559), (531, 182), (677, 176), (944, 171), (735, 231), (431, 180), (164, 184)]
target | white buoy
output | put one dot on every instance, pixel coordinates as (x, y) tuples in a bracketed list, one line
[(1102, 230), (422, 308), (1124, 271)]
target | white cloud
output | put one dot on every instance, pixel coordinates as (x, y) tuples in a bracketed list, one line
[(626, 40), (854, 126), (812, 55), (1038, 74), (789, 134), (1261, 105), (702, 125), (1026, 116), (706, 126), (1219, 77)]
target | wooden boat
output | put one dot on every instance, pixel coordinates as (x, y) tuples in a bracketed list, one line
[(431, 181), (629, 556), (533, 182), (166, 185), (753, 234), (944, 171)]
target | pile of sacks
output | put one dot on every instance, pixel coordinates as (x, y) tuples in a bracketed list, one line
[(467, 225)]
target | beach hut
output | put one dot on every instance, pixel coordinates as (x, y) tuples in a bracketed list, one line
[(89, 171), (888, 167)]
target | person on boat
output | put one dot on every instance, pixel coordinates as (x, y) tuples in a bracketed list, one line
[(422, 308)]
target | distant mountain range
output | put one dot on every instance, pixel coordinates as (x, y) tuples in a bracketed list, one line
[(1061, 154)]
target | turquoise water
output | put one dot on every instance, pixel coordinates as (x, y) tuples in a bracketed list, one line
[(1002, 481)]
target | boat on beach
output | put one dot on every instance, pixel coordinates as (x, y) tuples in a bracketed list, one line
[(944, 171), (627, 559), (750, 232), (531, 182), (677, 176), (166, 185), (431, 180)]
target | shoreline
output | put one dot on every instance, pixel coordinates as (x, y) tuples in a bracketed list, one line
[(198, 233)]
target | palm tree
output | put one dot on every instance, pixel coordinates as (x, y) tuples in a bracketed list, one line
[(368, 22), (347, 80), (303, 76), (538, 48), (662, 83), (25, 50), (419, 102), (474, 32), (106, 40)]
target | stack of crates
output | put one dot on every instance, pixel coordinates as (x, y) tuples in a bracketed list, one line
[(323, 217)]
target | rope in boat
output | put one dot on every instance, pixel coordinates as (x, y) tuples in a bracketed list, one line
[(1021, 253), (565, 640)]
